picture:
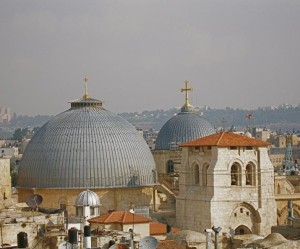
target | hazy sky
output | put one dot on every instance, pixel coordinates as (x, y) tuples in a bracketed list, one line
[(137, 54)]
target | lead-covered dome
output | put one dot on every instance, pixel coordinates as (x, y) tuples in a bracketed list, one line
[(87, 198), (185, 126), (86, 147)]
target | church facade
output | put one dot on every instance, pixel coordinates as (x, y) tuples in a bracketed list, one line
[(226, 180)]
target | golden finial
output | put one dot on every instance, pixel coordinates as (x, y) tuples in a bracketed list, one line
[(86, 95), (186, 90)]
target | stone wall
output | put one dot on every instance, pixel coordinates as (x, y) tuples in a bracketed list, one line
[(10, 231), (161, 157), (111, 199), (28, 223), (5, 179)]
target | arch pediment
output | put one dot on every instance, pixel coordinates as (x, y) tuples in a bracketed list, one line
[(252, 207), (233, 161)]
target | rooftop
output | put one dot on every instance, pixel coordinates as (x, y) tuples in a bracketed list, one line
[(121, 217), (157, 228), (225, 139)]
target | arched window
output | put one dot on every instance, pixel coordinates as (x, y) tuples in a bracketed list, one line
[(63, 206), (241, 230), (250, 174), (79, 211), (196, 174), (170, 167), (62, 203), (235, 174), (94, 211), (205, 175)]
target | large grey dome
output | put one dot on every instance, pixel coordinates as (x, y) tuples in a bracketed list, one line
[(185, 126), (86, 147)]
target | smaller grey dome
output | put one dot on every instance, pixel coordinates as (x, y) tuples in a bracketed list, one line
[(87, 198), (184, 127)]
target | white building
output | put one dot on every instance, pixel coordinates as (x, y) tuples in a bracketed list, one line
[(5, 116), (226, 180)]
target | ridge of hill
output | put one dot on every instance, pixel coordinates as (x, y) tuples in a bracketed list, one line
[(285, 120), (279, 119)]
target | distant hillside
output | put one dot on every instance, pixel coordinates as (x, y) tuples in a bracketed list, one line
[(279, 119), (21, 122), (27, 121), (285, 119)]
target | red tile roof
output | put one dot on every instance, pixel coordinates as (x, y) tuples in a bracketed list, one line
[(122, 246), (225, 139), (121, 217), (157, 228)]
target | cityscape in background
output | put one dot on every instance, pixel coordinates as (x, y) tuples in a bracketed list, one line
[(105, 144), (284, 118), (272, 124), (278, 127)]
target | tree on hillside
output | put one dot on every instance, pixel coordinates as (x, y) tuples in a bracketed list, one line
[(19, 134)]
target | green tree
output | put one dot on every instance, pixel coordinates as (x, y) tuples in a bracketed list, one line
[(19, 134)]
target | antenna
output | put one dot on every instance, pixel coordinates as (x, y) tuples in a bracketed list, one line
[(148, 242), (34, 201)]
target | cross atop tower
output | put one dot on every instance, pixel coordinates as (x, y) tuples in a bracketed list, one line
[(186, 90), (86, 95)]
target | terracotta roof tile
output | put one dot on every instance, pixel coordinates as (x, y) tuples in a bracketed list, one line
[(121, 217), (122, 246), (157, 228), (225, 139)]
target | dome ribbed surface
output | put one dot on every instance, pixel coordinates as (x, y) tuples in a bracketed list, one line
[(87, 147), (183, 127), (87, 198)]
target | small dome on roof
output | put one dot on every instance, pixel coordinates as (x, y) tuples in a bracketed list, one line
[(87, 198), (247, 134)]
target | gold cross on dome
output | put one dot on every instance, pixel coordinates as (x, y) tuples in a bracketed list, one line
[(86, 95), (186, 90)]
